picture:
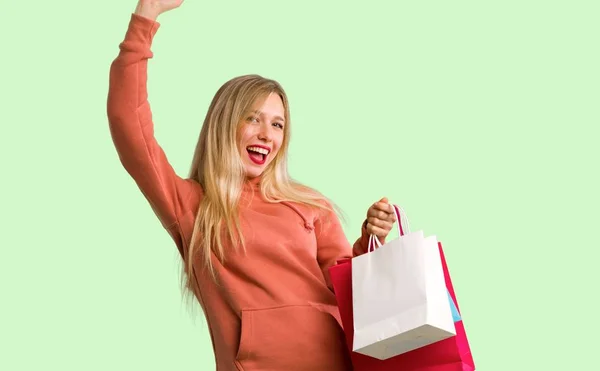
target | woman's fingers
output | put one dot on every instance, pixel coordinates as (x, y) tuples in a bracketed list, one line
[(382, 211), (380, 223), (380, 218), (377, 231)]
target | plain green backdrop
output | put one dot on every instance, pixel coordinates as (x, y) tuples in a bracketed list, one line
[(479, 118)]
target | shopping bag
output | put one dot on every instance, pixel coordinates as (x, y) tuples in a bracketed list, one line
[(452, 354), (400, 300), (455, 315)]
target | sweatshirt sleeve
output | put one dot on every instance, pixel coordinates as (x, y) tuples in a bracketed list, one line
[(131, 126), (332, 244)]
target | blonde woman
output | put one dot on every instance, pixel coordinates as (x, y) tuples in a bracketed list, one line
[(256, 245)]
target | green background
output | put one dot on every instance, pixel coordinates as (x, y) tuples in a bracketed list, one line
[(478, 118)]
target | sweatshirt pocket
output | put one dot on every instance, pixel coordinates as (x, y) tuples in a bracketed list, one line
[(291, 338)]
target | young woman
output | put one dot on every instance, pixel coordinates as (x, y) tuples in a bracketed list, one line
[(256, 245)]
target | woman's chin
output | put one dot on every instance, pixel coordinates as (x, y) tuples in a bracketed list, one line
[(253, 172)]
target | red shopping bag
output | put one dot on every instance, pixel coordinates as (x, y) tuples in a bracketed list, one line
[(452, 354)]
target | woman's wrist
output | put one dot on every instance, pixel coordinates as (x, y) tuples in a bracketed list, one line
[(146, 9)]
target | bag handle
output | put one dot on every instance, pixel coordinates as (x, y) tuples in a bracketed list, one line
[(374, 241)]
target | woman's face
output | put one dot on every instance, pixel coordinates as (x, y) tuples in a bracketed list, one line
[(260, 134)]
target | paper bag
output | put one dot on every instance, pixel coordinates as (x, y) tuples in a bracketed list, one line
[(400, 300), (452, 354)]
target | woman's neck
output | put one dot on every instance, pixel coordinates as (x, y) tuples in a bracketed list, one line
[(252, 183)]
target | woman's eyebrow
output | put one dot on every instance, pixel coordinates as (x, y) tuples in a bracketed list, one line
[(260, 113)]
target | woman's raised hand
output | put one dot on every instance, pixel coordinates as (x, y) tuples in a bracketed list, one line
[(153, 8)]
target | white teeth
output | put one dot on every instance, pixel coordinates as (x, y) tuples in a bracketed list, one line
[(259, 150)]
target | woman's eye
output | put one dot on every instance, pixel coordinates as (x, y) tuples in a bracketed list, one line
[(253, 119), (278, 125)]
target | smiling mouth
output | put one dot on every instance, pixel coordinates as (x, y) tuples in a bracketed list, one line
[(258, 155)]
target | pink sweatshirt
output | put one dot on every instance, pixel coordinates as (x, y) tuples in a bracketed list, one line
[(272, 309)]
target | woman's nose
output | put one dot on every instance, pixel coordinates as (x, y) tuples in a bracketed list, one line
[(265, 132)]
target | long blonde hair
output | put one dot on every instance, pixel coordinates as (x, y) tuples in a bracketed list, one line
[(218, 167)]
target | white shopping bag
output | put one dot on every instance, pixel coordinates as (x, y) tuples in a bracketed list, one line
[(400, 299)]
